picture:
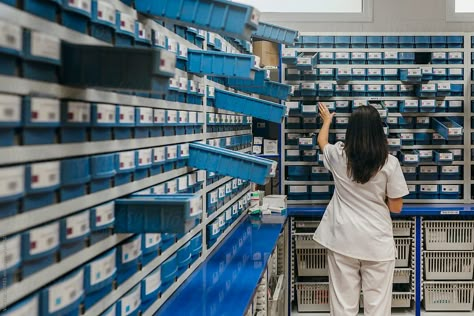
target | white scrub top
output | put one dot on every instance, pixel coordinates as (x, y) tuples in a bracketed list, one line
[(357, 221)]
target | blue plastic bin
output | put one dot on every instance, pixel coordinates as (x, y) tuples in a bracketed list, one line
[(74, 231), (41, 182), (455, 74), (76, 14), (43, 8), (103, 119), (411, 74), (102, 219), (274, 33), (102, 172), (169, 270), (125, 164), (12, 254), (447, 128), (358, 58), (450, 191), (374, 41), (390, 41), (409, 172), (297, 192), (438, 41), (450, 172), (41, 118), (150, 289), (75, 120), (428, 191), (454, 41), (358, 41), (125, 29), (64, 296), (406, 41), (220, 64), (103, 20), (128, 258), (326, 41), (130, 303), (99, 276), (422, 41), (150, 247)]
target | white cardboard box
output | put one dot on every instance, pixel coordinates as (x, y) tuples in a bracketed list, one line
[(270, 147), (257, 149), (258, 140)]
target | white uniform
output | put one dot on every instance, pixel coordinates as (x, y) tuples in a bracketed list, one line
[(357, 230)]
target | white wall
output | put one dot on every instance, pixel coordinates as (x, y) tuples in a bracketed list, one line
[(389, 16)]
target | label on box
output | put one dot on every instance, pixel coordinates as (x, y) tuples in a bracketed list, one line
[(422, 120), (414, 72), (131, 301), (394, 141), (374, 87), (359, 88), (341, 137), (374, 71), (174, 83), (446, 156), (183, 84), (326, 55), (192, 179), (341, 87), (215, 228), (456, 71), (12, 181), (127, 160), (172, 152), (293, 152), (319, 170), (407, 136), (390, 104), (184, 150), (11, 252), (342, 120), (66, 292), (306, 141), (320, 157), (228, 188), (455, 104), (235, 209), (106, 12), (127, 114), (428, 103), (44, 238), (159, 154), (102, 268), (428, 87), (201, 175), (160, 39), (44, 45), (406, 87), (146, 115), (444, 86), (309, 108), (342, 104), (200, 118), (298, 189), (235, 184), (358, 71), (182, 51), (441, 104), (259, 140), (210, 92), (326, 71), (308, 86), (82, 5), (159, 116), (325, 86), (303, 61), (131, 250), (211, 118), (221, 221), (320, 189), (257, 149), (310, 120), (11, 36), (439, 71), (77, 225), (213, 197), (342, 55), (426, 70), (288, 52), (171, 117), (182, 183), (456, 152), (392, 120), (78, 112), (390, 87), (153, 281), (104, 214), (374, 55), (450, 169), (411, 103), (390, 55), (428, 169), (455, 55), (192, 86), (221, 192), (127, 23), (183, 117), (438, 55), (411, 187), (152, 240), (172, 45), (144, 157), (410, 157), (358, 55), (10, 108), (406, 169), (293, 120), (228, 214), (358, 103), (44, 110), (455, 131), (305, 72), (45, 174), (437, 136), (429, 188)]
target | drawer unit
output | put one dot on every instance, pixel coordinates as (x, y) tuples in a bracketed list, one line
[(64, 296), (428, 173), (74, 233), (99, 276), (428, 191)]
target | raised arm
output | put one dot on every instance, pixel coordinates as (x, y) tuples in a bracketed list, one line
[(327, 118)]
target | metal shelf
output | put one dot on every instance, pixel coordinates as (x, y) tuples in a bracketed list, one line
[(226, 232), (350, 81), (398, 66), (376, 50), (408, 182), (115, 295), (39, 216), (45, 276), (226, 205), (370, 98)]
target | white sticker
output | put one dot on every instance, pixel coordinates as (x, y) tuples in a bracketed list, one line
[(446, 156), (340, 137), (182, 183), (392, 120), (305, 72), (342, 55), (184, 150), (422, 120), (429, 188), (450, 169), (428, 169), (326, 55), (374, 55), (126, 160), (309, 109), (215, 228), (326, 71), (426, 70), (319, 170), (406, 88), (104, 214), (358, 55), (411, 103), (390, 55), (374, 87), (172, 152), (298, 189), (455, 104), (183, 84), (308, 86), (394, 141), (292, 152), (450, 188), (407, 136), (152, 240), (444, 86), (406, 169), (428, 103), (159, 116), (411, 187), (192, 179), (44, 45), (77, 225), (10, 108), (153, 281), (390, 87), (106, 113), (66, 292), (456, 152), (342, 104), (323, 86), (456, 71), (342, 87), (439, 55), (44, 110), (103, 268), (428, 87), (303, 61), (171, 116), (439, 71), (455, 55), (213, 197), (411, 157), (78, 112), (10, 248), (131, 250), (106, 12), (455, 131), (359, 88), (415, 72), (126, 114), (358, 103), (359, 71), (171, 187), (44, 175), (320, 189), (83, 5), (235, 209), (437, 136), (374, 71), (288, 52), (221, 220), (12, 181), (11, 36), (127, 23), (44, 238), (144, 157), (228, 214), (221, 192), (309, 120), (449, 212), (131, 301), (146, 115), (306, 141)]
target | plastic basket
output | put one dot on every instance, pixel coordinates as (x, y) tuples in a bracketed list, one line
[(403, 246), (399, 300), (402, 276), (312, 262), (449, 296), (402, 228), (313, 297), (449, 235), (449, 265), (306, 241)]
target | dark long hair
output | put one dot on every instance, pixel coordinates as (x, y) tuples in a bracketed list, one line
[(366, 145)]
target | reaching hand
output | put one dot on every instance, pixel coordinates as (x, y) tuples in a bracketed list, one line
[(326, 116)]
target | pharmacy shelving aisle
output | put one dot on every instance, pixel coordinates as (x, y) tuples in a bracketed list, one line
[(423, 82), (97, 129)]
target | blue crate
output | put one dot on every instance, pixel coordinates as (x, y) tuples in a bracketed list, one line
[(406, 122), (342, 107), (426, 73), (374, 58), (103, 21), (274, 33), (450, 172), (220, 64), (292, 155), (103, 119), (41, 182), (213, 232), (320, 192), (326, 58), (292, 74), (409, 157), (266, 110), (293, 122), (326, 41), (99, 276), (308, 75), (157, 213), (183, 256), (390, 41), (310, 123), (308, 89), (10, 120), (447, 128), (130, 303), (42, 8), (455, 41), (422, 122), (167, 240), (309, 155), (124, 29), (455, 74), (438, 139), (428, 191), (409, 172), (390, 58), (443, 89), (41, 118), (196, 242), (407, 139), (450, 191), (342, 41), (455, 106), (298, 173), (440, 74), (306, 62), (358, 58), (76, 15), (327, 73), (344, 74), (374, 90), (411, 74), (169, 270), (422, 41), (422, 139), (64, 296), (406, 90), (359, 90), (374, 74), (75, 175), (101, 222), (297, 192), (457, 89), (358, 41), (458, 154), (359, 73), (102, 172), (319, 174), (341, 90), (224, 17), (406, 41), (441, 106), (39, 248), (12, 259), (392, 121), (439, 58), (125, 165), (438, 41), (455, 58), (427, 105), (144, 161), (443, 157), (75, 119), (394, 142), (425, 155), (159, 121), (309, 41), (342, 57), (11, 51), (374, 41), (150, 247), (143, 122), (125, 122), (427, 90), (150, 289), (326, 89), (390, 90), (128, 258), (406, 58)]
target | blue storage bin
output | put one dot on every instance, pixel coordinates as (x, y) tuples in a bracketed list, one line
[(292, 155), (441, 106), (11, 49), (450, 172), (342, 57), (326, 41), (428, 191), (359, 73), (125, 165), (422, 139), (342, 41), (455, 106), (150, 247), (274, 33), (319, 174), (409, 172), (358, 58), (457, 90), (374, 41), (74, 232), (427, 105), (450, 191), (406, 90), (326, 73), (374, 90), (422, 41), (64, 296), (443, 89), (196, 243), (42, 8), (11, 250), (406, 122), (75, 175), (443, 157), (220, 64), (99, 276), (143, 35), (326, 89), (42, 62), (305, 62), (358, 41), (359, 90), (344, 74), (413, 192), (438, 41), (294, 74), (422, 122), (308, 89), (144, 122), (390, 58), (102, 219), (411, 74), (27, 306), (75, 119), (124, 29), (392, 121), (458, 154), (426, 73), (169, 270), (390, 90), (447, 128), (41, 118), (167, 240), (427, 90), (125, 122), (394, 142), (103, 20), (426, 155), (409, 157), (406, 41), (455, 58), (298, 173), (374, 74), (171, 158), (41, 182), (455, 41), (455, 74), (159, 121), (144, 161), (157, 213), (342, 106), (320, 192), (76, 14), (308, 75), (130, 303), (438, 139), (374, 58), (183, 257), (102, 172), (39, 248), (293, 122), (150, 289), (390, 73), (10, 119), (406, 58), (183, 155), (298, 192), (103, 119), (171, 126), (129, 254), (439, 58), (407, 139), (213, 232), (440, 74), (326, 58), (390, 41)]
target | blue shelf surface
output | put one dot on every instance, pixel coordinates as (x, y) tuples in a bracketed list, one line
[(408, 210), (229, 276)]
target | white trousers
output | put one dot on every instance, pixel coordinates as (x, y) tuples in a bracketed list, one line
[(347, 276)]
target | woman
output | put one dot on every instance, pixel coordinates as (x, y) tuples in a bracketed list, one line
[(356, 227)]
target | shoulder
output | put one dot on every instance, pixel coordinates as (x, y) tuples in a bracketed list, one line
[(337, 148), (392, 163)]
